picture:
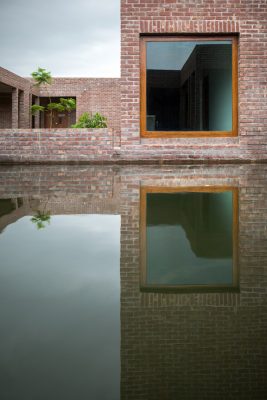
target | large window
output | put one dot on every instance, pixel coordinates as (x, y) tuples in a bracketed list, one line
[(188, 86)]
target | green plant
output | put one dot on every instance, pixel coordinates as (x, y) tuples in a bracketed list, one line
[(41, 77), (36, 108), (69, 104), (91, 121)]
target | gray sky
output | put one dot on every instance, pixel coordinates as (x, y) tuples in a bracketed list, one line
[(67, 37)]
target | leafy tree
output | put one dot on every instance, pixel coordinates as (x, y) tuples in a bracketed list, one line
[(68, 104), (42, 77), (51, 107), (91, 121), (36, 108)]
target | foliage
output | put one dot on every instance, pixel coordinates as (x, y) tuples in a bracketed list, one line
[(55, 107), (35, 108), (68, 104), (41, 77), (91, 121), (41, 219)]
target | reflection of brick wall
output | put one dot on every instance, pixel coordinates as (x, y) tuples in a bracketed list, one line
[(173, 346), (196, 346), (246, 18)]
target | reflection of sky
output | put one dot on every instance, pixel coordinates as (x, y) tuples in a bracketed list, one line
[(60, 322), (172, 55), (170, 260)]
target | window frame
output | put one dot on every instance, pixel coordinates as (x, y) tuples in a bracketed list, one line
[(143, 100), (194, 288)]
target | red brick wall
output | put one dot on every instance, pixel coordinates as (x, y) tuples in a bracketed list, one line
[(24, 87), (246, 18), (49, 145), (92, 95)]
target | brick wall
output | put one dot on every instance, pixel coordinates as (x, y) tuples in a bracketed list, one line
[(92, 95), (18, 111), (188, 346), (62, 145), (247, 19)]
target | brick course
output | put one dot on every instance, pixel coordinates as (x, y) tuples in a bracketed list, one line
[(61, 145)]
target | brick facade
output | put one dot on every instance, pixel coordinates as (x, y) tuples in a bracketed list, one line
[(196, 345), (16, 112), (92, 95), (245, 18)]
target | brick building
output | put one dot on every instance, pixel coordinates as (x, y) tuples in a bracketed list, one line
[(244, 24), (92, 95), (193, 84), (15, 97)]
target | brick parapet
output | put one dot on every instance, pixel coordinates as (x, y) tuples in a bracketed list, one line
[(101, 145), (61, 145)]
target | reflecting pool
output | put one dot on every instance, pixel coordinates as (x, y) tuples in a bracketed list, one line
[(133, 282)]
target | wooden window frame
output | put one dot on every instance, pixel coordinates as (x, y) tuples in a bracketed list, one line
[(195, 288), (143, 104)]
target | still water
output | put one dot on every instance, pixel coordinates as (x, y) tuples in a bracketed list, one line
[(133, 282)]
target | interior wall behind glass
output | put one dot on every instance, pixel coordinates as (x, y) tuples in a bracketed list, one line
[(189, 86)]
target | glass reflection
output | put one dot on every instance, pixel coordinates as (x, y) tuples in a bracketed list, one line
[(189, 86), (189, 240)]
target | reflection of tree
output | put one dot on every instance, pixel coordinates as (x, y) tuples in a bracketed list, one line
[(41, 219)]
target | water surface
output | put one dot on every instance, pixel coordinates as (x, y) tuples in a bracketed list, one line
[(75, 320), (60, 321)]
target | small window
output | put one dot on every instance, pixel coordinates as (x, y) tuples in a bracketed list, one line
[(188, 86)]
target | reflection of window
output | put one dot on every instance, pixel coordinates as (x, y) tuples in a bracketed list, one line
[(189, 238), (188, 86)]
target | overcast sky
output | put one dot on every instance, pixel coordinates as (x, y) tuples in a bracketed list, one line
[(67, 37)]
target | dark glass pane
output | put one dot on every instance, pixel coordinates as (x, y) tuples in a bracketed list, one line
[(189, 239), (189, 86)]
